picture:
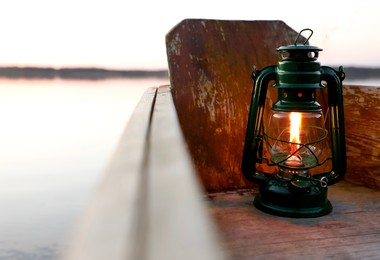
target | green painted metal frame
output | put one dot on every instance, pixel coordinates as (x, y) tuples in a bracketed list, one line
[(277, 195), (253, 141)]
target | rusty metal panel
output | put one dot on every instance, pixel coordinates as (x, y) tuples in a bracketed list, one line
[(210, 64)]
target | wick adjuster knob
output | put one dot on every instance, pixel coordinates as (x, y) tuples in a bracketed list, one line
[(299, 185)]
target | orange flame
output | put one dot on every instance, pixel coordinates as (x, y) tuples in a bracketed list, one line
[(295, 126)]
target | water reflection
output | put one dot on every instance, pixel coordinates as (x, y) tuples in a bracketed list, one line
[(56, 138)]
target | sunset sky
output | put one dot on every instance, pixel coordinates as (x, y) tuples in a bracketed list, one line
[(130, 34)]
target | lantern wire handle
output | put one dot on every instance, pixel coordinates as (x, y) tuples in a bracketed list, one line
[(299, 34)]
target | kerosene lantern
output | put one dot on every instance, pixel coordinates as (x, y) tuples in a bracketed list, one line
[(295, 146)]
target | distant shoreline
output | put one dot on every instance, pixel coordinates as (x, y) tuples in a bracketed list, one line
[(356, 73), (77, 73), (352, 73)]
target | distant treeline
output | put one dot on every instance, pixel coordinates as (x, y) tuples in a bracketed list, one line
[(77, 73), (97, 73), (361, 72)]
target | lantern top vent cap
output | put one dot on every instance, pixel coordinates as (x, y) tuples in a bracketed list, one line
[(298, 50), (304, 46)]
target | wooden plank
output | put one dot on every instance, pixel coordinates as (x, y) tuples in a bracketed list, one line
[(351, 231), (107, 228), (179, 226), (150, 204), (210, 64), (362, 121)]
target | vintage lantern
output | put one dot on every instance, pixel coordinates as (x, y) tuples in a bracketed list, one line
[(295, 147)]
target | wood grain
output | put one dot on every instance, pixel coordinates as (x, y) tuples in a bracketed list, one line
[(362, 122), (351, 231), (210, 63), (178, 224)]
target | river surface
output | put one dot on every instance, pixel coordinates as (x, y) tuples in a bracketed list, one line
[(56, 138)]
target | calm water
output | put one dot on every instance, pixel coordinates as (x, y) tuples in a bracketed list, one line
[(56, 138)]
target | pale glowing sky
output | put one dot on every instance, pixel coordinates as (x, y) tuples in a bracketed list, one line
[(130, 34)]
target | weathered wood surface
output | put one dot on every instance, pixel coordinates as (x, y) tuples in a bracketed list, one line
[(149, 204), (351, 231), (210, 64), (362, 121)]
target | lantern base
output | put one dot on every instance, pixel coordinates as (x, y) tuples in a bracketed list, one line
[(279, 197)]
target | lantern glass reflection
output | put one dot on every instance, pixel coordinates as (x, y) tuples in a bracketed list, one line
[(295, 140)]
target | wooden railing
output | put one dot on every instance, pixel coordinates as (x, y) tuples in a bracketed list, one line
[(150, 204)]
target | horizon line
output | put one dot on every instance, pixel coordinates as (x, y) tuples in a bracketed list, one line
[(31, 72), (93, 73)]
